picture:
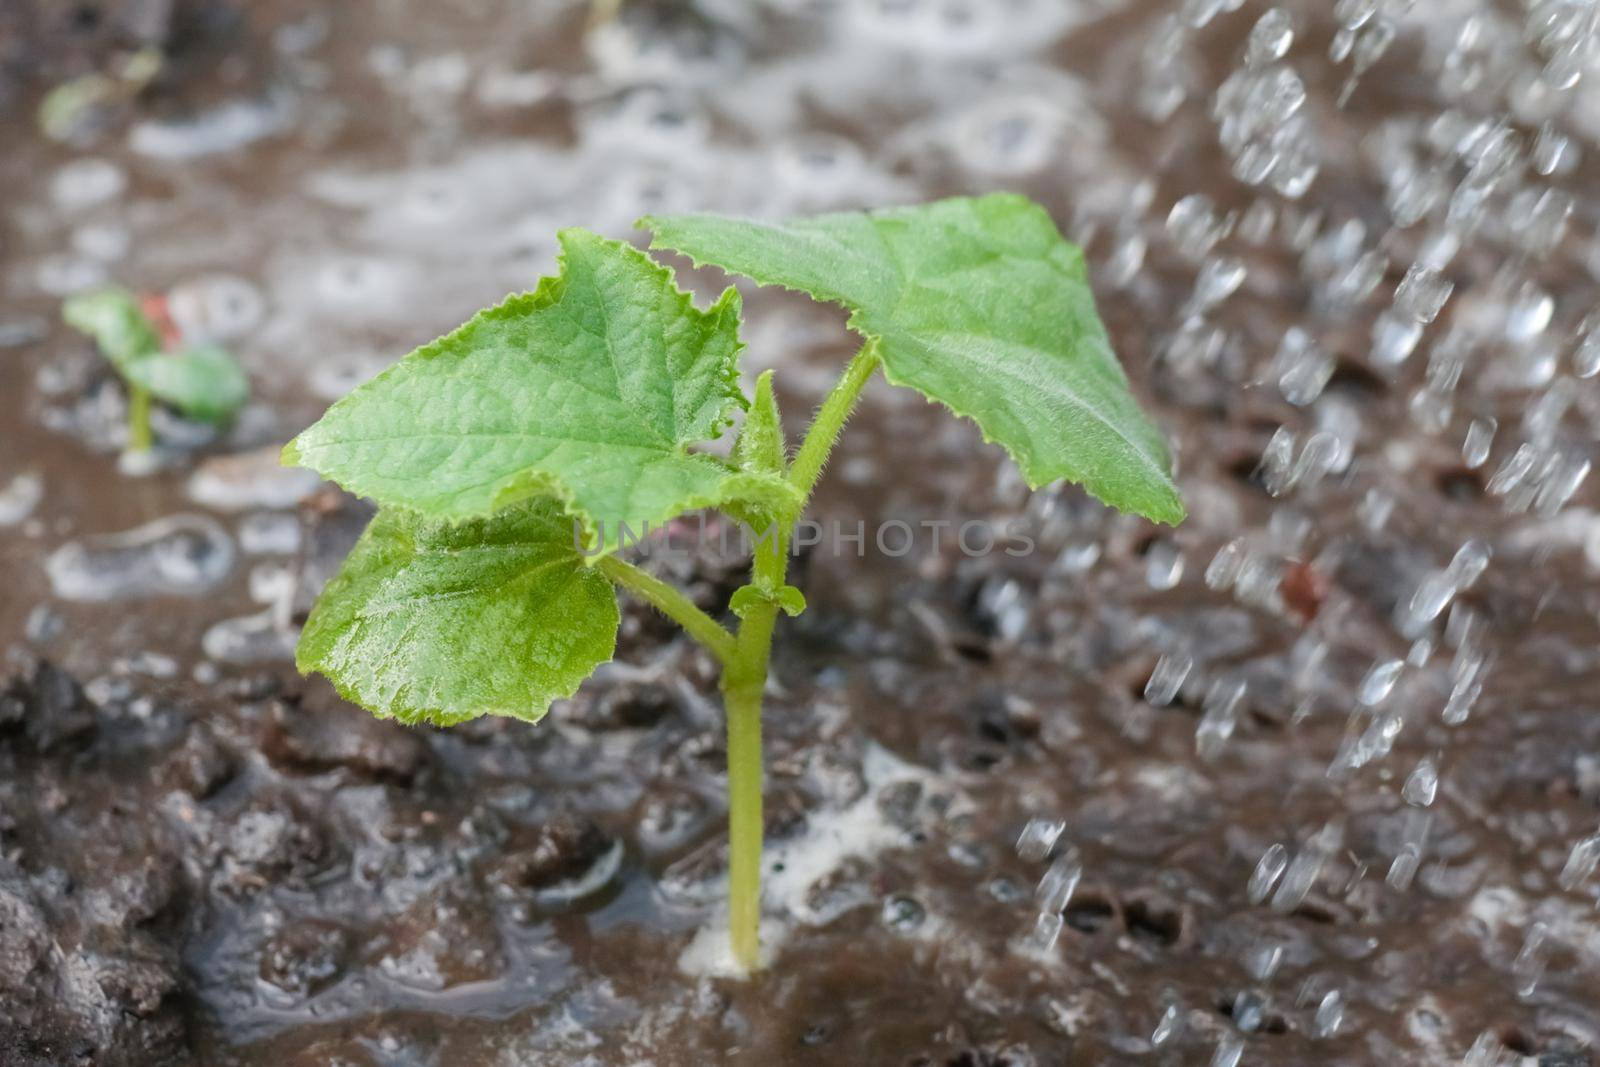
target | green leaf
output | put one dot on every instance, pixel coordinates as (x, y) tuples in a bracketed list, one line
[(789, 599), (589, 388), (764, 496), (432, 621), (980, 305), (760, 445), (118, 325), (204, 382)]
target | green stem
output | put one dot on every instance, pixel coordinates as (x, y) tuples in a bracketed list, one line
[(745, 675), (743, 679), (679, 608), (745, 657), (742, 684), (140, 437), (831, 417)]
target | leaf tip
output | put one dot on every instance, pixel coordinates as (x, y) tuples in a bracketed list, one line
[(1169, 511)]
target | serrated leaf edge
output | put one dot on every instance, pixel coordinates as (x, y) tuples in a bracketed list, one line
[(431, 716), (533, 481), (1170, 512)]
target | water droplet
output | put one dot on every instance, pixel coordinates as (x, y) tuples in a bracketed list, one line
[(1468, 564), (1270, 38), (20, 497), (1422, 293), (1485, 1051), (1479, 440), (1553, 152), (1263, 959), (1464, 692), (1277, 462), (1581, 863), (1046, 930), (1038, 837), (1353, 14), (1055, 889), (1371, 43), (903, 914), (1586, 357), (1302, 367), (1220, 277), (1513, 470), (1194, 226), (1330, 1014), (1197, 13), (1306, 867), (1167, 678), (1168, 1026), (1528, 967), (1394, 339), (1560, 483), (1421, 785), (1230, 1050), (1220, 716), (1225, 565), (1249, 1009), (1163, 565), (1530, 312), (1379, 682), (1126, 259)]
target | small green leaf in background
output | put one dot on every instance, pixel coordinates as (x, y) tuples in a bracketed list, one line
[(119, 326), (979, 304), (591, 388), (204, 382), (430, 621)]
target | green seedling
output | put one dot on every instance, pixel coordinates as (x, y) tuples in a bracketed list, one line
[(500, 453), (203, 382)]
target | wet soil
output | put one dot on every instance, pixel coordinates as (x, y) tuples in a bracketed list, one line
[(205, 859)]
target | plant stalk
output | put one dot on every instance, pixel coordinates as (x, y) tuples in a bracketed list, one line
[(830, 419), (673, 604), (743, 680), (745, 676), (140, 438), (741, 698), (746, 654)]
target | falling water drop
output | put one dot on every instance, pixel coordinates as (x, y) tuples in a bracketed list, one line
[(1266, 873), (1421, 784)]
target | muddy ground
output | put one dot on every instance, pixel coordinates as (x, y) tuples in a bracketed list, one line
[(205, 859)]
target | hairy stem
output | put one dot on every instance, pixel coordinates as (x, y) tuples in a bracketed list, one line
[(745, 675), (745, 657), (677, 607), (741, 697), (140, 437), (743, 679), (831, 416)]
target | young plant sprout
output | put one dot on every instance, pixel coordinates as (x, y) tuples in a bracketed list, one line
[(203, 382), (577, 405)]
